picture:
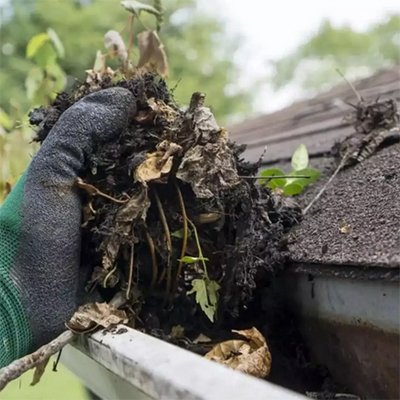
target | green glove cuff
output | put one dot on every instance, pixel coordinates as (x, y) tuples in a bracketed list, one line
[(15, 334)]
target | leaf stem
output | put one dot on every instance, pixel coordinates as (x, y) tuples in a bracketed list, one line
[(185, 234)]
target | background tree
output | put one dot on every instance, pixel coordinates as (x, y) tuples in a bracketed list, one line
[(313, 64), (198, 48)]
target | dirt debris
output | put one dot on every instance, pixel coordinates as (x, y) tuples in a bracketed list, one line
[(136, 228)]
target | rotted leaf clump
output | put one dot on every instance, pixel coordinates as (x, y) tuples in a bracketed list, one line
[(168, 219)]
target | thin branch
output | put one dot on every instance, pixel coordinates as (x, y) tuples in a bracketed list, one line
[(274, 177), (359, 97), (320, 193), (20, 366), (167, 238), (131, 266), (201, 256), (185, 235), (154, 265)]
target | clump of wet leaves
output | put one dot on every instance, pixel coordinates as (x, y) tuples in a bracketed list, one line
[(167, 218)]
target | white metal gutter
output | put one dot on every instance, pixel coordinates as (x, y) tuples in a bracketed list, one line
[(133, 365)]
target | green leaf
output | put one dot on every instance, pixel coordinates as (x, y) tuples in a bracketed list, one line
[(56, 42), (292, 189), (300, 158), (313, 174), (272, 183), (206, 292), (135, 7), (35, 43), (192, 260), (33, 82), (45, 56)]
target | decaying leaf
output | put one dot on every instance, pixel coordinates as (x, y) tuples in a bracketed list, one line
[(209, 168), (154, 109), (152, 52), (250, 356), (113, 42), (206, 291), (157, 164), (134, 210), (39, 371), (345, 228), (92, 315), (202, 339), (99, 72)]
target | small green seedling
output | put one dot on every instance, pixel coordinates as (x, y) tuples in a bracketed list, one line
[(301, 175)]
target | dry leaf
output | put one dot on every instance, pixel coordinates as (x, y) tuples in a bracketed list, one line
[(113, 41), (135, 209), (209, 168), (202, 339), (39, 371), (152, 52), (157, 164), (250, 356), (345, 228), (92, 315), (95, 76)]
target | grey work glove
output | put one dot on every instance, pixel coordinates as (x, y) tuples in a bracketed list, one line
[(40, 224)]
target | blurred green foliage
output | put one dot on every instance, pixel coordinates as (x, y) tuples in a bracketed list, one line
[(46, 45), (199, 52), (60, 385), (356, 53)]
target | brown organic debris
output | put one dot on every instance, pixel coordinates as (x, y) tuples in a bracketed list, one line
[(250, 356), (152, 53), (170, 223), (93, 315)]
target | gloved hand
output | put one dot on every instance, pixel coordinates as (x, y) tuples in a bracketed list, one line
[(40, 222)]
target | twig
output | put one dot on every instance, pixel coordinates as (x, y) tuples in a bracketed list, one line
[(154, 265), (130, 44), (185, 235), (359, 97), (107, 277), (320, 193), (167, 238), (55, 363), (273, 177), (201, 256), (131, 261), (20, 366), (93, 191)]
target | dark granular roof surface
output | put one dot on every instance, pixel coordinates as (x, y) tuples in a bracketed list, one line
[(357, 219)]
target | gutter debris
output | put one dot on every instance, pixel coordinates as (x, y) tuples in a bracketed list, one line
[(170, 222)]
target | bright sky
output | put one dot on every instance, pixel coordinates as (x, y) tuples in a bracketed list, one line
[(271, 29)]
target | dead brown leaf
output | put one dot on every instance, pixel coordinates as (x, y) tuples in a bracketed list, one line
[(152, 52), (157, 164), (202, 339), (250, 356), (93, 315), (114, 43), (135, 209), (345, 228)]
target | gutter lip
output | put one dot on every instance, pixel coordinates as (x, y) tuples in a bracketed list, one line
[(162, 370)]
